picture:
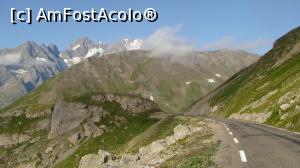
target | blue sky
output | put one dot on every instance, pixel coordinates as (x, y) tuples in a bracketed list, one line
[(208, 24)]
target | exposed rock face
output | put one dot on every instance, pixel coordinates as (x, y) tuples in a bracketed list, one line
[(32, 65), (91, 130), (67, 116), (68, 123), (91, 161), (129, 103), (253, 117), (11, 139), (95, 160)]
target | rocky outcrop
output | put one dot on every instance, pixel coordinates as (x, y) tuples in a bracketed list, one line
[(130, 103), (148, 156), (252, 117), (68, 115), (95, 160)]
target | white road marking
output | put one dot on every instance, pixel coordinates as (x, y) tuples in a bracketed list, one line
[(243, 156), (235, 140), (230, 133)]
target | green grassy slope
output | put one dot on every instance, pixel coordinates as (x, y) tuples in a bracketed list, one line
[(263, 87)]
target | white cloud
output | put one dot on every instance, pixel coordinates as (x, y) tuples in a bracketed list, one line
[(165, 41), (230, 43), (10, 59)]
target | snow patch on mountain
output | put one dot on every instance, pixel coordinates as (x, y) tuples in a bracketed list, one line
[(218, 75), (41, 59), (73, 61), (19, 73), (211, 81), (94, 51)]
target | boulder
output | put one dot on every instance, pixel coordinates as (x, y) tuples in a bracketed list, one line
[(181, 131), (127, 158), (73, 139), (170, 140), (91, 161), (91, 130), (105, 156), (284, 107), (49, 149), (195, 129), (158, 146), (144, 150)]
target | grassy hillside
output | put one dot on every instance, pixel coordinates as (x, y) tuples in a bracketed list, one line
[(272, 85), (173, 82)]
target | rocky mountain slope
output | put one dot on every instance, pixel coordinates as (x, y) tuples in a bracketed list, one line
[(189, 144), (26, 67), (173, 83), (73, 126), (266, 92)]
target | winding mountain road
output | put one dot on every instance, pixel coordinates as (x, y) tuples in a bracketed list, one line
[(250, 145)]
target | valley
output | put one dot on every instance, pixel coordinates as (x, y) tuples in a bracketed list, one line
[(131, 108)]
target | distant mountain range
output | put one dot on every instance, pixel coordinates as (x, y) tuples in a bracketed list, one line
[(25, 67), (85, 48), (29, 65)]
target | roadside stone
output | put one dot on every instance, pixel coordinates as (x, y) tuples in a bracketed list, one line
[(49, 149), (126, 158), (284, 107), (145, 150), (181, 131), (195, 129), (170, 140), (158, 146), (284, 116)]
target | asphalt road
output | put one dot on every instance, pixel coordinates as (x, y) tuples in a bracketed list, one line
[(252, 145)]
